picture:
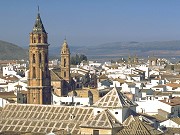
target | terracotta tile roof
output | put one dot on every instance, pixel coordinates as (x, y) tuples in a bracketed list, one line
[(120, 80), (103, 76), (76, 75), (55, 75), (159, 86), (133, 75), (159, 117), (171, 101), (169, 76), (160, 93), (172, 131), (114, 99), (135, 126), (130, 83), (102, 120), (11, 78), (43, 118), (23, 92), (176, 120), (173, 85), (6, 95)]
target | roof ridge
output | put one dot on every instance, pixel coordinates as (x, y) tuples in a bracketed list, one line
[(114, 99)]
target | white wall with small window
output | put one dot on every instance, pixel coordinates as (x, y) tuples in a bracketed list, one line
[(9, 70), (98, 110)]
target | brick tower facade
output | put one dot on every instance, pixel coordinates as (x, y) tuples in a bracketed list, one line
[(65, 62), (39, 80), (65, 68)]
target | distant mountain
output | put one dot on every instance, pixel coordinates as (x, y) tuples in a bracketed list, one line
[(9, 51), (139, 48), (107, 50), (115, 49)]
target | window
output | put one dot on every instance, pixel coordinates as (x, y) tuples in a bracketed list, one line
[(46, 58), (34, 72), (64, 62), (72, 116), (40, 58), (64, 73), (45, 39), (46, 70), (116, 112), (34, 99), (98, 111), (33, 58), (95, 132), (39, 38), (34, 40)]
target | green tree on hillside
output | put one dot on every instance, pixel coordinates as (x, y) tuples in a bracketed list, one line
[(75, 60)]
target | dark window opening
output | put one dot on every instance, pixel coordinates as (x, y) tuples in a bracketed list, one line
[(95, 132), (34, 40), (65, 74), (34, 72), (40, 59), (64, 62), (46, 58), (34, 59), (34, 100), (39, 39)]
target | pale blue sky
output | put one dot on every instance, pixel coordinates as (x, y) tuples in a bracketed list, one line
[(91, 22)]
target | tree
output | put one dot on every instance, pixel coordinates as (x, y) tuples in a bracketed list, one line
[(75, 60)]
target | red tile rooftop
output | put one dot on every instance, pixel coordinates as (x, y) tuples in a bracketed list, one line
[(171, 101)]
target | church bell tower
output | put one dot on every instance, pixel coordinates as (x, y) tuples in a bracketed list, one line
[(65, 68), (65, 62), (39, 81)]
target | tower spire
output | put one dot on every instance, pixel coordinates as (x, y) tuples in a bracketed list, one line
[(38, 9), (38, 26), (65, 41)]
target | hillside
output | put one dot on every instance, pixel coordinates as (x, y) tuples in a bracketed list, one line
[(159, 48), (108, 51), (9, 51), (102, 51)]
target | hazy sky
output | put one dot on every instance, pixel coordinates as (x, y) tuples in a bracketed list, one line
[(91, 22)]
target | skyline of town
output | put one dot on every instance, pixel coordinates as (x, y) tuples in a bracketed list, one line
[(92, 22), (76, 95)]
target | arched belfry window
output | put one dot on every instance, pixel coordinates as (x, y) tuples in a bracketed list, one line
[(46, 58), (33, 58), (64, 62), (39, 38), (40, 58), (34, 40), (64, 73), (45, 39), (34, 72)]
